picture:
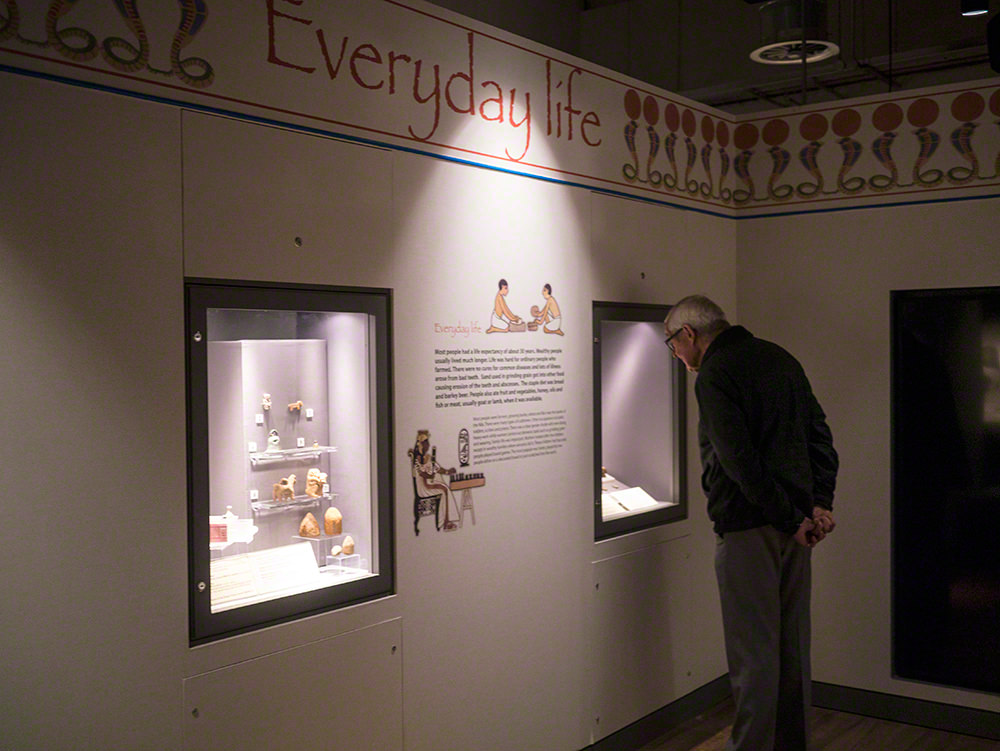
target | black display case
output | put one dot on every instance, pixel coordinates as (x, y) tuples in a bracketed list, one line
[(639, 421), (290, 483)]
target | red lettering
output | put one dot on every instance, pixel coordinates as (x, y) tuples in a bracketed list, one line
[(526, 121), (471, 108), (393, 57), (590, 118), (332, 70), (498, 99), (435, 95), (374, 57), (272, 55)]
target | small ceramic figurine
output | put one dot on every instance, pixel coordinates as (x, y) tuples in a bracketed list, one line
[(315, 480), (295, 406), (273, 441), (266, 402), (284, 490)]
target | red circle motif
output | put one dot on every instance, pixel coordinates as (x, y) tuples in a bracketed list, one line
[(633, 106), (813, 127), (745, 136), (887, 117), (775, 132), (846, 123), (651, 110), (671, 117), (688, 123), (968, 106), (922, 112), (707, 129), (722, 132)]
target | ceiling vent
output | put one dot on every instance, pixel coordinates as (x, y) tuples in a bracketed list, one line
[(793, 30)]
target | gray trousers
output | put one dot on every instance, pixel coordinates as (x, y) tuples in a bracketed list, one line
[(764, 585)]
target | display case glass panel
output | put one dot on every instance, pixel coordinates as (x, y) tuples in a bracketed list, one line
[(639, 421), (290, 486)]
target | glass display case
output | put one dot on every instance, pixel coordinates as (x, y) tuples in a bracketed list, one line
[(290, 485), (639, 421)]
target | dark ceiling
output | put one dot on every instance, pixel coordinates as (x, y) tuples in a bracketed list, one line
[(701, 48)]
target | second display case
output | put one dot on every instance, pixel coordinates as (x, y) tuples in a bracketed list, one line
[(639, 421)]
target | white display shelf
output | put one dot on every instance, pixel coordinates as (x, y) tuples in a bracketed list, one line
[(307, 453), (299, 501)]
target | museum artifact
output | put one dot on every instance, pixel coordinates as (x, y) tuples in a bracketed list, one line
[(333, 521), (265, 403), (273, 441), (295, 406), (348, 546), (315, 480), (335, 550), (309, 526), (284, 489)]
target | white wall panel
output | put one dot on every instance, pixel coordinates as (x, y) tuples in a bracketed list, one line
[(251, 190), (340, 692), (819, 285), (93, 510)]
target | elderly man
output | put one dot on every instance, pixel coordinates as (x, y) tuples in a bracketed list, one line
[(769, 470)]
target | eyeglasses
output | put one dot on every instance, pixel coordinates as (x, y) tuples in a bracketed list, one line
[(669, 344)]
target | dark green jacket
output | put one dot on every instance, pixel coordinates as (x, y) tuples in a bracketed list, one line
[(766, 451)]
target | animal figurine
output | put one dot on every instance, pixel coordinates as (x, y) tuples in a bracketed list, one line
[(284, 490), (295, 406)]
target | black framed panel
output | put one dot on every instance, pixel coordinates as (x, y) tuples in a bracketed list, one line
[(639, 421), (282, 522), (946, 486)]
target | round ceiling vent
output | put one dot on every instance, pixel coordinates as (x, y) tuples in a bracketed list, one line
[(790, 53)]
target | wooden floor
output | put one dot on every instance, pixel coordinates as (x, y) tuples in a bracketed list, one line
[(831, 731)]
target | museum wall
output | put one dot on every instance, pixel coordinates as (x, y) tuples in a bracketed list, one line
[(819, 284), (497, 635)]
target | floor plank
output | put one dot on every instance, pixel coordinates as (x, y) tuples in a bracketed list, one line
[(831, 731)]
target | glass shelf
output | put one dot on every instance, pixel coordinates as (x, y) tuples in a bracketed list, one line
[(299, 501), (307, 453)]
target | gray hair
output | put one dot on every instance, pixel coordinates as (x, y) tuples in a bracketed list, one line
[(698, 312)]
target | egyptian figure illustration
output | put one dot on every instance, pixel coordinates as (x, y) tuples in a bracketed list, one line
[(430, 490), (502, 319), (549, 317), (672, 119)]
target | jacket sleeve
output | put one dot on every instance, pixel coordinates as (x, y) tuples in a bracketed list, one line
[(726, 427), (822, 456)]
